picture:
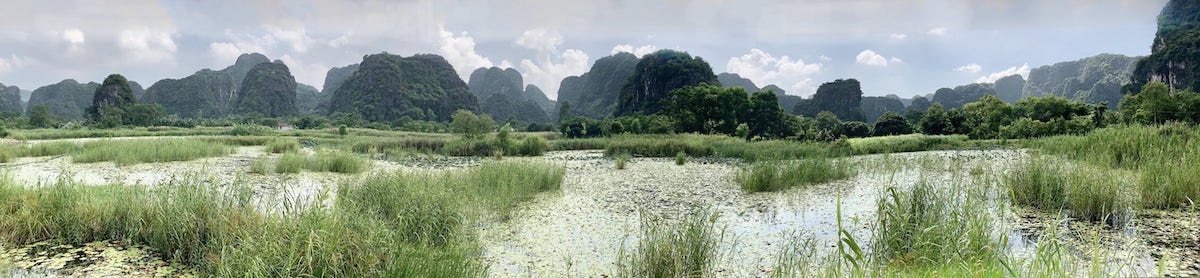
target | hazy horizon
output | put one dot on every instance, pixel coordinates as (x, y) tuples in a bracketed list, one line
[(903, 47)]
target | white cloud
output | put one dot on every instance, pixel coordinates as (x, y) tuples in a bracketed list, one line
[(895, 60), (297, 38), (898, 36), (939, 31), (148, 46), (970, 68), (542, 40), (825, 58), (311, 74), (460, 52), (75, 38), (548, 74), (870, 58), (5, 66), (1023, 70), (339, 41), (764, 69), (225, 53), (639, 51)]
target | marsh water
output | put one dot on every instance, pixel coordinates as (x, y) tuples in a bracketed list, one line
[(581, 229)]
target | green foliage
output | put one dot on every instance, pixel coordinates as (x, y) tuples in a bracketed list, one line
[(769, 176), (933, 227), (125, 152), (891, 123), (988, 115), (532, 146), (267, 90), (765, 117), (1173, 50), (282, 145), (114, 94), (935, 121), (67, 99), (387, 87), (706, 108), (469, 125), (906, 143), (828, 125), (204, 94), (680, 158), (742, 131), (656, 75), (595, 94), (621, 160), (1091, 80), (503, 141), (258, 166), (687, 247), (961, 95), (843, 97), (1088, 194), (855, 129), (290, 163), (874, 107), (1156, 104)]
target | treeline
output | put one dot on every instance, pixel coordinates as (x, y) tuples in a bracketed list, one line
[(711, 109)]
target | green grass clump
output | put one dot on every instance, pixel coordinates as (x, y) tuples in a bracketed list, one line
[(1170, 186), (290, 163), (125, 152), (408, 144), (531, 146), (906, 143), (9, 152), (258, 166), (282, 145), (926, 227), (621, 160), (51, 149), (1039, 184), (768, 176), (683, 248), (680, 158), (335, 161)]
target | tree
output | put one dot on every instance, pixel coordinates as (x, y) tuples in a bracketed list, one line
[(706, 108), (765, 118), (828, 126), (564, 111), (986, 116), (855, 129), (39, 116), (467, 124), (1153, 105), (935, 121), (891, 123)]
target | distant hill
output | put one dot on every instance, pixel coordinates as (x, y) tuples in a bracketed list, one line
[(336, 76), (656, 75), (501, 94), (387, 87), (269, 89), (206, 93), (311, 101), (873, 107), (1092, 79), (1174, 56), (594, 94), (68, 98), (843, 97), (535, 94), (958, 96), (10, 99), (786, 102)]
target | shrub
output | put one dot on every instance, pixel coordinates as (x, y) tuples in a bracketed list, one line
[(289, 163), (781, 175), (532, 146), (282, 145), (680, 158), (621, 160)]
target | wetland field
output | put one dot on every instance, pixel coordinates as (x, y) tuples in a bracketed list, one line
[(1119, 201)]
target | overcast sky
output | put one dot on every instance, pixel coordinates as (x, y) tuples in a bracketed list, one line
[(905, 47)]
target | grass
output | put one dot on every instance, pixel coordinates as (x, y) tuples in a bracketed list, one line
[(621, 160), (259, 166), (282, 145), (683, 248), (769, 176), (1167, 159), (388, 225), (906, 143), (125, 152), (51, 149), (680, 158), (928, 227), (324, 160)]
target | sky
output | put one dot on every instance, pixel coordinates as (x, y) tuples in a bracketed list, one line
[(903, 47)]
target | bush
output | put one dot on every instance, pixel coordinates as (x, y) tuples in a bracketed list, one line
[(282, 145), (680, 158), (621, 160), (532, 146), (290, 163), (767, 176)]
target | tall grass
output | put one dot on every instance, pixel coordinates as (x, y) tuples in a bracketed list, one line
[(1166, 157), (282, 145), (389, 225), (1039, 184), (928, 227), (125, 152), (51, 149), (324, 160), (906, 143), (767, 176), (683, 248)]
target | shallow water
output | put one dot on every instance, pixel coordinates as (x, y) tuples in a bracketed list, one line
[(580, 230)]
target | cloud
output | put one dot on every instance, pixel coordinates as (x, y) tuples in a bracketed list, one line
[(870, 58), (825, 58), (764, 69), (1023, 70), (75, 39), (970, 68), (311, 74), (939, 31), (639, 51), (297, 38), (460, 52), (549, 66), (339, 41), (542, 40), (145, 45), (895, 60), (898, 36)]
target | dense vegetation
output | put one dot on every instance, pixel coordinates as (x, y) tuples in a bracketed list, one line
[(67, 99), (206, 93), (114, 104), (656, 75), (268, 90), (1095, 79), (388, 87), (1173, 53), (594, 94), (787, 102)]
